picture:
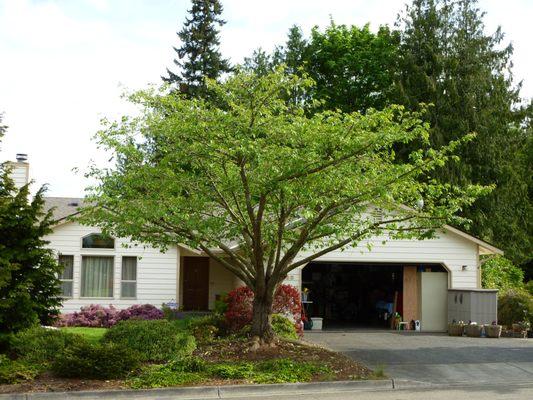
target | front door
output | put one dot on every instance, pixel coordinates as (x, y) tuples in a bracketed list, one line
[(195, 283)]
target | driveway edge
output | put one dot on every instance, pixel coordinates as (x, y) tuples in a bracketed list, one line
[(210, 392)]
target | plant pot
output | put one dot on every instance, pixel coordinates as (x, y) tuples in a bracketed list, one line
[(517, 328), (493, 331), (455, 329), (473, 330)]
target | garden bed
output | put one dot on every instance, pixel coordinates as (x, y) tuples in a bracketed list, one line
[(221, 361)]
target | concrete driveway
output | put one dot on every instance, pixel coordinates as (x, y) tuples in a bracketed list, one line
[(435, 358)]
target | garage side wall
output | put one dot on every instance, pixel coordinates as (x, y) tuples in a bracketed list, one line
[(156, 271), (448, 249)]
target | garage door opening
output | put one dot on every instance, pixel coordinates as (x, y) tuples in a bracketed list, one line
[(357, 295)]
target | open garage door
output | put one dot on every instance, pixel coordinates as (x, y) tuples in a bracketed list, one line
[(353, 295), (367, 295)]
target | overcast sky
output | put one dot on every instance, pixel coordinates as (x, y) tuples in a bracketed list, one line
[(65, 63)]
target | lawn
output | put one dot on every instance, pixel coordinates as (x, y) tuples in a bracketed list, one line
[(93, 335)]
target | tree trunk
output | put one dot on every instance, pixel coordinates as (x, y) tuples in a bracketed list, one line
[(262, 317)]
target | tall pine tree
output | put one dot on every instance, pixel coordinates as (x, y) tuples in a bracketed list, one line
[(447, 59), (199, 56)]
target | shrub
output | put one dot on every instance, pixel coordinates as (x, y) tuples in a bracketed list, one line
[(284, 370), (40, 345), (515, 306), (500, 273), (284, 327), (15, 371), (93, 315), (233, 371), (286, 302), (529, 287), (180, 371), (158, 340), (140, 311), (206, 329), (240, 306), (100, 361), (97, 316)]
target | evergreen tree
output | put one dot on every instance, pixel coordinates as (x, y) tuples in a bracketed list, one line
[(29, 285), (294, 53), (199, 56), (448, 60)]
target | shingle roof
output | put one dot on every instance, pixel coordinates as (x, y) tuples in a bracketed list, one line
[(63, 206)]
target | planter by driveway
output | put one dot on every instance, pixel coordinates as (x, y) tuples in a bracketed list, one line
[(434, 358)]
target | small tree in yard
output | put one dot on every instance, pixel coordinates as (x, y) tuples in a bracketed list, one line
[(262, 186), (29, 285)]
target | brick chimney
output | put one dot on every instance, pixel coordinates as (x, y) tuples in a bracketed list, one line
[(20, 170)]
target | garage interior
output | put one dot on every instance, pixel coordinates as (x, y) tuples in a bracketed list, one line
[(363, 295)]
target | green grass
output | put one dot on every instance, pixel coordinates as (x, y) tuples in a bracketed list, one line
[(93, 335)]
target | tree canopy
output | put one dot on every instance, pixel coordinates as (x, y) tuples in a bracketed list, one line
[(253, 180), (438, 54)]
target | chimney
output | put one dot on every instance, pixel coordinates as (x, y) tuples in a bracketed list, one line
[(20, 170)]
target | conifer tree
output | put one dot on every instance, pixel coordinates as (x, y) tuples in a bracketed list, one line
[(447, 59), (29, 285), (199, 56)]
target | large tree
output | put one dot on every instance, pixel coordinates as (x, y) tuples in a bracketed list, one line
[(29, 285), (263, 187), (199, 56), (448, 60)]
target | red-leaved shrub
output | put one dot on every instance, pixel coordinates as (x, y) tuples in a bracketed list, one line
[(96, 315), (286, 302)]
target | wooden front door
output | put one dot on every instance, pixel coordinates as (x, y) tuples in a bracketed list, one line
[(195, 283)]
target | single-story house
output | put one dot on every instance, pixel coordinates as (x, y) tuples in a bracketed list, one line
[(352, 286)]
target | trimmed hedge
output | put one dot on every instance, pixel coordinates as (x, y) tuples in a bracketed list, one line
[(40, 345), (100, 361), (15, 371), (158, 340)]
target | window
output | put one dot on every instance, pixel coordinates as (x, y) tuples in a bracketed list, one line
[(67, 276), (97, 241), (96, 276), (128, 285)]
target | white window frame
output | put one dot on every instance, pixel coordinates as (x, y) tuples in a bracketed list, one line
[(98, 249), (67, 280), (128, 280), (113, 268)]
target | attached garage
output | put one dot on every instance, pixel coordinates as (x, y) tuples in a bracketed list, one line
[(362, 286)]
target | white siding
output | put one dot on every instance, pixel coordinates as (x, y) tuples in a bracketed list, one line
[(156, 271), (448, 249)]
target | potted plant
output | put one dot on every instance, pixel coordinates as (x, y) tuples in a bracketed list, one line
[(305, 294), (473, 330), (493, 330), (456, 328)]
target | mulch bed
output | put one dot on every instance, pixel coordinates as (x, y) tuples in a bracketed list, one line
[(221, 351)]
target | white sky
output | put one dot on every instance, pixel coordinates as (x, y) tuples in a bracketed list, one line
[(65, 63)]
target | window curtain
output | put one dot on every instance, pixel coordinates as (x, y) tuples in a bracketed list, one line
[(97, 277)]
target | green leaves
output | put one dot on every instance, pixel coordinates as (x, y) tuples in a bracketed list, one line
[(253, 175)]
